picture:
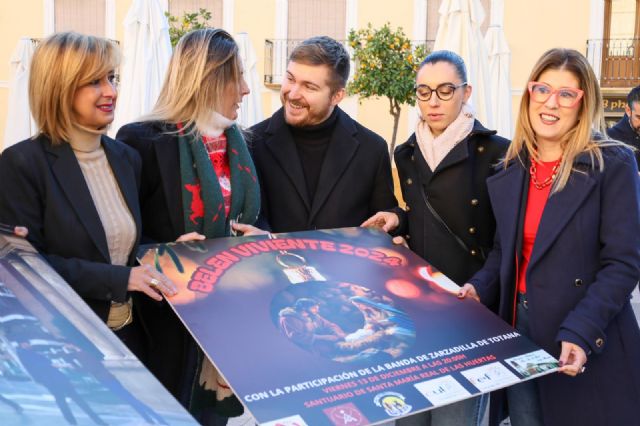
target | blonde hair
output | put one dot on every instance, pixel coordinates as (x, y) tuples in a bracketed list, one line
[(63, 63), (580, 139), (203, 64)]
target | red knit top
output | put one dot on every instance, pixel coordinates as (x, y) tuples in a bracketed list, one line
[(536, 201)]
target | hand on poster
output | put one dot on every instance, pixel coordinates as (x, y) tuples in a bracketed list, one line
[(572, 359), (385, 221), (400, 241), (246, 230), (150, 282), (468, 290), (190, 236), (20, 231)]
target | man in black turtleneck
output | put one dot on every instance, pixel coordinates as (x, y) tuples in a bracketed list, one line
[(318, 168)]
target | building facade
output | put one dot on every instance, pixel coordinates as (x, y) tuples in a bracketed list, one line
[(606, 31)]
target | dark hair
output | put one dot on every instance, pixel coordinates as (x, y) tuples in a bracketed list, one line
[(633, 96), (449, 57), (324, 50)]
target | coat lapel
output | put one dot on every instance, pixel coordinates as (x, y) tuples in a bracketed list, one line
[(459, 153), (342, 148), (67, 171), (168, 156), (283, 148), (126, 179), (559, 209), (505, 190)]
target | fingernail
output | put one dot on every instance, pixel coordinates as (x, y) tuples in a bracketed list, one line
[(560, 363)]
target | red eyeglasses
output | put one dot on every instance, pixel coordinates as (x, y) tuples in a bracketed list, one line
[(567, 97)]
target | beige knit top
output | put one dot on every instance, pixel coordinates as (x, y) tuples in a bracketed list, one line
[(117, 221)]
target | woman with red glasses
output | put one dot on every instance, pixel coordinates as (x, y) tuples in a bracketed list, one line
[(566, 254)]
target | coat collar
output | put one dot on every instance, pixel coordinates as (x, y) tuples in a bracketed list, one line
[(560, 208), (66, 169), (168, 157), (458, 154), (342, 147), (624, 127), (506, 189)]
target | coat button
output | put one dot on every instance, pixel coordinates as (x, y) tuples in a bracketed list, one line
[(413, 158), (473, 252), (577, 282), (407, 237), (475, 202), (481, 149), (599, 342), (472, 230), (409, 181)]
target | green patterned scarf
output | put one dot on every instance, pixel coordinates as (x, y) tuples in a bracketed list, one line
[(202, 201), (203, 207)]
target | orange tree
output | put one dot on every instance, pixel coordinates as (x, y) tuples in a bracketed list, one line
[(385, 66), (179, 26)]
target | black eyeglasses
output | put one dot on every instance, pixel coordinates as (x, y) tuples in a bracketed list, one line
[(444, 91)]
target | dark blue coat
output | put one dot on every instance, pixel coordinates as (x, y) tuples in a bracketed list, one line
[(623, 131), (584, 265)]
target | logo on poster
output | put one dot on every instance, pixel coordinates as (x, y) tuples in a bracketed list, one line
[(393, 403), (346, 415)]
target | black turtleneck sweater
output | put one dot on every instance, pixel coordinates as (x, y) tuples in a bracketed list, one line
[(312, 143)]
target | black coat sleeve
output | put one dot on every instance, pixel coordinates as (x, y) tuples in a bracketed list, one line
[(23, 186)]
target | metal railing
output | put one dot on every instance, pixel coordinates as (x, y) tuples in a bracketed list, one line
[(616, 62), (276, 54)]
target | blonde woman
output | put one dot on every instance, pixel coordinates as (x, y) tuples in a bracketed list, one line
[(75, 189), (197, 181), (567, 251)]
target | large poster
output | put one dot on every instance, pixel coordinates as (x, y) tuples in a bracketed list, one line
[(339, 327), (59, 364)]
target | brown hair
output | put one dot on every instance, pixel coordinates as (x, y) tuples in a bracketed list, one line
[(324, 50)]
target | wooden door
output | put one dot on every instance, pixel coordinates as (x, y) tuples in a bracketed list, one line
[(621, 47)]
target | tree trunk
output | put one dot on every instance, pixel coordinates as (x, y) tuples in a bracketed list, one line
[(394, 110)]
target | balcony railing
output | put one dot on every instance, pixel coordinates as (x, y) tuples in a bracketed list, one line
[(276, 55), (615, 61)]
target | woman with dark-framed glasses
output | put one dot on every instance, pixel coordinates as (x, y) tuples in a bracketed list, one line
[(567, 251), (443, 168)]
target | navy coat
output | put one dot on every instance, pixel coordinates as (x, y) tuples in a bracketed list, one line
[(584, 265), (623, 131)]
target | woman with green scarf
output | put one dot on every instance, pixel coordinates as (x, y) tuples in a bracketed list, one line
[(198, 181)]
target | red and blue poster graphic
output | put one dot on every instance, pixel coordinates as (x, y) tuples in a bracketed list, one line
[(339, 327)]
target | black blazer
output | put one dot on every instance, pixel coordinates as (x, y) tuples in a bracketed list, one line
[(162, 221), (355, 179), (42, 187), (160, 189), (457, 191)]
